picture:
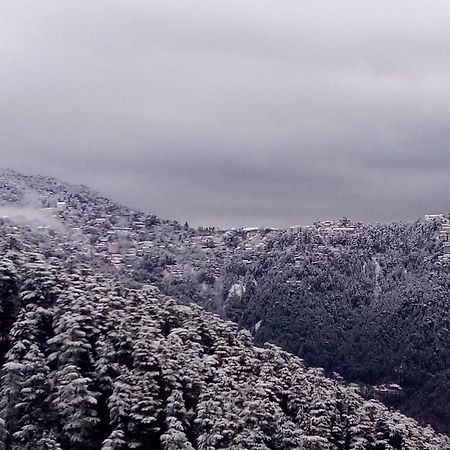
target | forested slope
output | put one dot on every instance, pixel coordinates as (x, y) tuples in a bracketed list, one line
[(376, 310), (371, 305), (90, 364)]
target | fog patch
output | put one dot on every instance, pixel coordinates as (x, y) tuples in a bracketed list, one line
[(34, 217)]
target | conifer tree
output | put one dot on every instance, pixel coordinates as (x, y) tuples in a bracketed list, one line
[(76, 405), (33, 406)]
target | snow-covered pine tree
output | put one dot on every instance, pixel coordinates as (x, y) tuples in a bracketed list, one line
[(33, 408), (76, 405), (115, 441)]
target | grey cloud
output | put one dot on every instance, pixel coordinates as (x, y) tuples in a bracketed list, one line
[(233, 113)]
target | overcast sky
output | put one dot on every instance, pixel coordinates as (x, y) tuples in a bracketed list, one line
[(233, 112)]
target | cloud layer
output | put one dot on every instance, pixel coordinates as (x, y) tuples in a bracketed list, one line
[(233, 113)]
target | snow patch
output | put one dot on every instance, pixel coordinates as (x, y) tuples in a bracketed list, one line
[(237, 289)]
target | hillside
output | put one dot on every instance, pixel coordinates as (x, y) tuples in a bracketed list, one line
[(373, 308), (88, 363), (370, 302)]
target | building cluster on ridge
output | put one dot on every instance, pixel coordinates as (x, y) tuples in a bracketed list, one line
[(444, 233)]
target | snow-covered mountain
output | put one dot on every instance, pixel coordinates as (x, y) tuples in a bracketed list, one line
[(367, 301)]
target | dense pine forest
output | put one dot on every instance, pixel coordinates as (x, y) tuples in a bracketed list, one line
[(376, 311), (106, 344)]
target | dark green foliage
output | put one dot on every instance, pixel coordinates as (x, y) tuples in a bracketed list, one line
[(93, 365), (375, 309)]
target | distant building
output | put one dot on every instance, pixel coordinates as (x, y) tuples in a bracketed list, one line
[(431, 217), (444, 235), (345, 230), (250, 231), (388, 389), (61, 206), (295, 228)]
